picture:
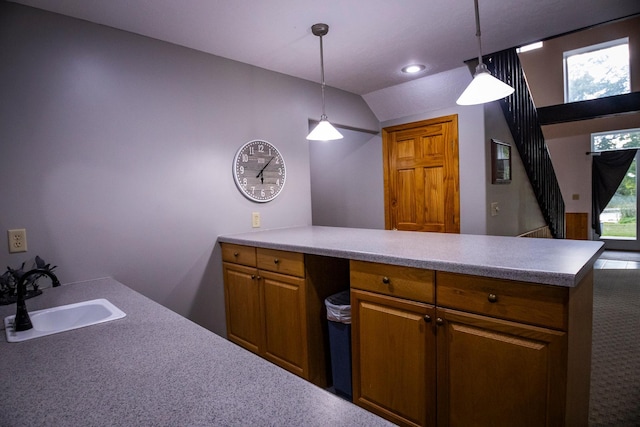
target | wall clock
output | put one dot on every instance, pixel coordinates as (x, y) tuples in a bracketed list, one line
[(259, 171)]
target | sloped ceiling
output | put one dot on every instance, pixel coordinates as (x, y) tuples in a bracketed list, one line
[(368, 41)]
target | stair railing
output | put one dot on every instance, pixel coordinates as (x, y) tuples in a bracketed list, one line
[(522, 118)]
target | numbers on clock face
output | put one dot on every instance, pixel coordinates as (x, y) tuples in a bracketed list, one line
[(259, 171)]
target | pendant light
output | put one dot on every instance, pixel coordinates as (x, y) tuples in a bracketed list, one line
[(484, 87), (324, 131)]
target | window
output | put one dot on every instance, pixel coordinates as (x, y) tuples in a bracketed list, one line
[(618, 219), (597, 71)]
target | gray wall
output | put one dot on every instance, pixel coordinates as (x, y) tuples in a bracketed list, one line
[(346, 176), (347, 188), (116, 152), (473, 202), (356, 177), (519, 211)]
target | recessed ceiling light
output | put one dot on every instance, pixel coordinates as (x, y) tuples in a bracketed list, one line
[(413, 68)]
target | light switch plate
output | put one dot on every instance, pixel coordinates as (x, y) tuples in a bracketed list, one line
[(255, 219), (495, 208)]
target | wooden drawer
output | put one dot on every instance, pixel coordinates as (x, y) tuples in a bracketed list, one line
[(239, 254), (404, 282), (505, 299), (291, 263)]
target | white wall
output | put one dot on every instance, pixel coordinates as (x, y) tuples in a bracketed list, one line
[(116, 153), (573, 169)]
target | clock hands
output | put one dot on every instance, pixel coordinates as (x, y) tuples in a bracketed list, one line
[(261, 173)]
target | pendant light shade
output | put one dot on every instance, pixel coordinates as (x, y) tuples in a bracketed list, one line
[(324, 131), (484, 87)]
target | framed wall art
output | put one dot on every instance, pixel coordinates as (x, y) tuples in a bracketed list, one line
[(500, 162)]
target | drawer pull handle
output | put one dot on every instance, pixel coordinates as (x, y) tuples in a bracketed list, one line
[(235, 254), (386, 280), (439, 321), (492, 298), (427, 318), (275, 261)]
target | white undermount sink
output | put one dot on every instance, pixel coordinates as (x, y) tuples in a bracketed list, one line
[(64, 318)]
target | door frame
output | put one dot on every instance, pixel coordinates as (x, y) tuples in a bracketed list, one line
[(386, 155)]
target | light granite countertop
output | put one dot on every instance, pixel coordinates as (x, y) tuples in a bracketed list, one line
[(151, 368), (547, 261)]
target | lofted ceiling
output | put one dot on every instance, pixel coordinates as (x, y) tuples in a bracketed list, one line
[(368, 41)]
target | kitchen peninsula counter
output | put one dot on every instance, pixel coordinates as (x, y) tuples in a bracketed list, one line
[(152, 367), (440, 311), (545, 261)]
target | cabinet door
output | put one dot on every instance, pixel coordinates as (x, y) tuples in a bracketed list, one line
[(498, 373), (242, 301), (284, 319), (394, 366)]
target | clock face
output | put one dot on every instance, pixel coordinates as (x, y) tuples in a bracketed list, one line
[(259, 171)]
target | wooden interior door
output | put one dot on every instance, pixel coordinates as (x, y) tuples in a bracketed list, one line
[(421, 176)]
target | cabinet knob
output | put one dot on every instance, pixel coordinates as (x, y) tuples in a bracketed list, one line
[(492, 298), (276, 260), (386, 280), (258, 277), (439, 321), (253, 276), (427, 318), (235, 254)]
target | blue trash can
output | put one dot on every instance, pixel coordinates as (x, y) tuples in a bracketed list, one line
[(339, 317)]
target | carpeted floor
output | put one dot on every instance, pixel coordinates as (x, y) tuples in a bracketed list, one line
[(615, 365)]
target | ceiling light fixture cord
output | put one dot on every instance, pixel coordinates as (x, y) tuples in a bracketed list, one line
[(483, 87), (478, 34), (324, 131), (324, 116)]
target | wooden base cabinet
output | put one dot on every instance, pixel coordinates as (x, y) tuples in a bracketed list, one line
[(494, 372), (274, 304), (394, 343), (395, 358), (434, 348), (243, 306)]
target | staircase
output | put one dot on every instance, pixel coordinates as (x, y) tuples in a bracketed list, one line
[(522, 118)]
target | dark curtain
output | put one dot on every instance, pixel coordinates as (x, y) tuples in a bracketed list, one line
[(607, 171)]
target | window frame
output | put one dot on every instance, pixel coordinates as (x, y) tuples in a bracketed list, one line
[(586, 49)]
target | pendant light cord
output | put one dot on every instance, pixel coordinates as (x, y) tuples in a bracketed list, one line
[(478, 34), (324, 116)]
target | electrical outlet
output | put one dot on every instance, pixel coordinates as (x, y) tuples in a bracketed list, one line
[(255, 219), (17, 240)]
